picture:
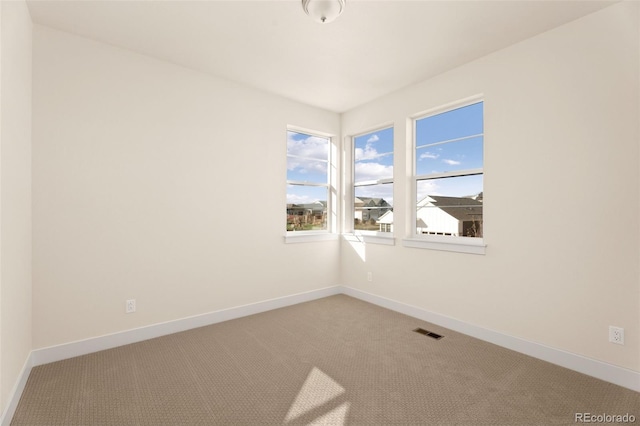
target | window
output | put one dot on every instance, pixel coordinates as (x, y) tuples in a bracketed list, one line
[(373, 181), (449, 172), (307, 181)]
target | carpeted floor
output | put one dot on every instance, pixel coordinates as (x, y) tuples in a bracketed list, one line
[(336, 361)]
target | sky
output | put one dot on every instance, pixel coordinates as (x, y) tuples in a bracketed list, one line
[(450, 141), (373, 156), (447, 142), (307, 161)]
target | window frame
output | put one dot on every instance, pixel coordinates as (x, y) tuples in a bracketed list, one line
[(368, 236), (329, 232), (472, 245)]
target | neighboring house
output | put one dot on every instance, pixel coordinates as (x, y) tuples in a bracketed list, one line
[(386, 222), (299, 215), (438, 215), (367, 209), (457, 216)]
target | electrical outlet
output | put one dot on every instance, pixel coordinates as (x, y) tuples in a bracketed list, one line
[(130, 306), (616, 335), (369, 276)]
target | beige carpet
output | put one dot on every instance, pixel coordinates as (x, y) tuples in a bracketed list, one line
[(337, 361)]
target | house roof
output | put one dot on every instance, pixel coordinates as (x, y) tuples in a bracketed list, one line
[(371, 202), (461, 208), (387, 217), (317, 205)]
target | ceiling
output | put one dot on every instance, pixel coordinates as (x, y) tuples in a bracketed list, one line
[(374, 48)]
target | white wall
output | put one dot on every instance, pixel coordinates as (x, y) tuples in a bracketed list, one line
[(148, 179), (561, 192), (15, 194), (155, 182)]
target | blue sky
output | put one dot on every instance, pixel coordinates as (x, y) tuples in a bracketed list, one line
[(307, 161), (373, 155), (445, 142)]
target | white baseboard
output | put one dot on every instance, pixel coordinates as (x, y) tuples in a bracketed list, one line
[(94, 344), (601, 370), (16, 393)]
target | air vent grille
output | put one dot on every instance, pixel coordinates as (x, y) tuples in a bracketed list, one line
[(428, 333)]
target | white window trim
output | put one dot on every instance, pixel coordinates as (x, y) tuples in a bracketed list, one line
[(440, 242), (332, 158), (293, 237), (372, 237), (457, 244)]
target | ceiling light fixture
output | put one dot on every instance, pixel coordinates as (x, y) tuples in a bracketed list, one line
[(323, 11)]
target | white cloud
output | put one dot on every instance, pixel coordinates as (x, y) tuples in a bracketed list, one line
[(305, 195), (368, 153), (311, 147), (306, 151), (372, 171), (426, 187), (299, 199), (451, 162), (303, 166), (430, 155)]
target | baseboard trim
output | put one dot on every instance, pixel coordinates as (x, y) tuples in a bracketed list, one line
[(16, 392), (601, 370), (95, 344)]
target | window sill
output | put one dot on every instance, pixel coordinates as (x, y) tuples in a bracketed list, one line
[(308, 237), (387, 240), (455, 244)]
